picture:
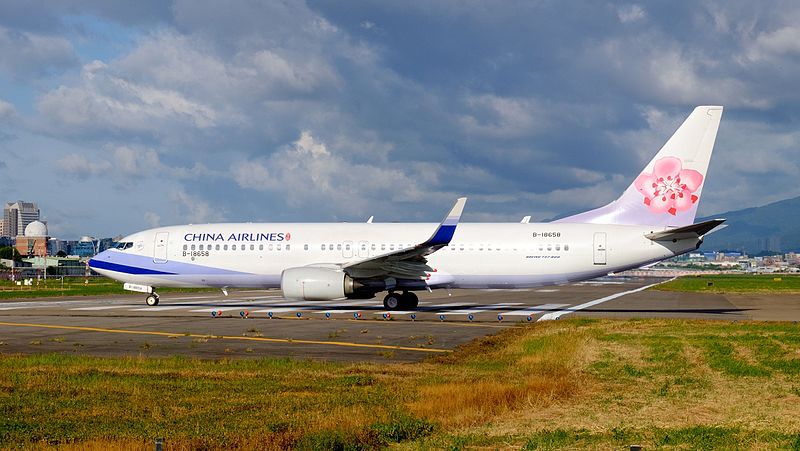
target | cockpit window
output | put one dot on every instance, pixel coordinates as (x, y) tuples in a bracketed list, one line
[(122, 245)]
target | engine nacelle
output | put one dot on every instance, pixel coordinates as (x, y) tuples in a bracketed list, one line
[(316, 284)]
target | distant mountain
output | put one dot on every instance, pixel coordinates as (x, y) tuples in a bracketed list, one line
[(773, 227)]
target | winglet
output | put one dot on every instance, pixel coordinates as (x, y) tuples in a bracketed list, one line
[(447, 228)]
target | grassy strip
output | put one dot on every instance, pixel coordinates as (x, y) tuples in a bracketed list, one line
[(734, 283), (73, 287), (562, 384)]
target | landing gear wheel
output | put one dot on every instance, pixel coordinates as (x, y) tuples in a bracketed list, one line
[(152, 300), (392, 301), (410, 300)]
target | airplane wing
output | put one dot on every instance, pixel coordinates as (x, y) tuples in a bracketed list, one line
[(410, 262), (685, 232)]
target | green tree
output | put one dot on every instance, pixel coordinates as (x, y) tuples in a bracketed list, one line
[(10, 253)]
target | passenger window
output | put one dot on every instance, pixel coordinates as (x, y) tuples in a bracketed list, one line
[(383, 247), (347, 246), (338, 247), (193, 246), (252, 247), (185, 246), (233, 247), (225, 247), (549, 247), (200, 247), (558, 247), (244, 248), (541, 247), (217, 247), (322, 247), (287, 247), (305, 247), (278, 246), (269, 246), (373, 247), (391, 247), (566, 247)]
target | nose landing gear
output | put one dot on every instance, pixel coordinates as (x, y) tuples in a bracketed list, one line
[(152, 300)]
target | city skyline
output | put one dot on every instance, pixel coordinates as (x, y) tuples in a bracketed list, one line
[(116, 117)]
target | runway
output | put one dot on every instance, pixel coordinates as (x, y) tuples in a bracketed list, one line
[(256, 323)]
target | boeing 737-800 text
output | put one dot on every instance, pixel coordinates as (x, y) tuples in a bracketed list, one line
[(653, 220)]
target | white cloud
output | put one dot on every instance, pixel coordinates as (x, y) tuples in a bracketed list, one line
[(307, 171), (195, 210), (152, 219), (24, 54), (105, 101), (777, 44), (7, 110), (81, 166), (503, 117), (631, 13), (136, 162)]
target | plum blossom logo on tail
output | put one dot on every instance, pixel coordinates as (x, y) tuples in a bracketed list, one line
[(669, 188)]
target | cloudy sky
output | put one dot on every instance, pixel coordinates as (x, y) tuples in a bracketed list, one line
[(118, 116)]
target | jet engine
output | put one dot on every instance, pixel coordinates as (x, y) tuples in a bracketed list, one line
[(323, 284)]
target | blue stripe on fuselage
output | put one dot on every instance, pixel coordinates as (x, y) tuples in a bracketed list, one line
[(99, 264)]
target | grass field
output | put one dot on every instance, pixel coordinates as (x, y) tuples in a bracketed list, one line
[(561, 384), (71, 286), (735, 283)]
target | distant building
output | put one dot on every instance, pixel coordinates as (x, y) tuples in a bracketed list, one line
[(34, 242), (54, 246), (17, 216)]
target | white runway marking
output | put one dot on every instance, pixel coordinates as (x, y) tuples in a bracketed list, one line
[(559, 314), (535, 310), (13, 308), (452, 304), (186, 298), (547, 291), (215, 309), (483, 308), (281, 310), (158, 308), (102, 307)]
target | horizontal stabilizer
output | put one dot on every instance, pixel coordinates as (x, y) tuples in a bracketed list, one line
[(686, 232)]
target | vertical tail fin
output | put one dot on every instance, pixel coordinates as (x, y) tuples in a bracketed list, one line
[(667, 191)]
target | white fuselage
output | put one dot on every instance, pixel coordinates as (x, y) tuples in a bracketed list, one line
[(480, 255)]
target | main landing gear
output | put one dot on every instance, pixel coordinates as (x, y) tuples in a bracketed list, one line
[(152, 300), (395, 301)]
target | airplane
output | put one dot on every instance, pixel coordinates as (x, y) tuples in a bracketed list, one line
[(651, 221)]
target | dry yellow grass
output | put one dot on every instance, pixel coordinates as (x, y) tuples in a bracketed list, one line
[(659, 382)]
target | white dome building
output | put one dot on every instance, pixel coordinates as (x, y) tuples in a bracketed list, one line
[(36, 229), (34, 242)]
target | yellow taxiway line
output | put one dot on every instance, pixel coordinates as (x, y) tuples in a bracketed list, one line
[(227, 337)]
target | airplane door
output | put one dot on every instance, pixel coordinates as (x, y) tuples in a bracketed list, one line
[(160, 249), (600, 248), (347, 249), (363, 249)]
